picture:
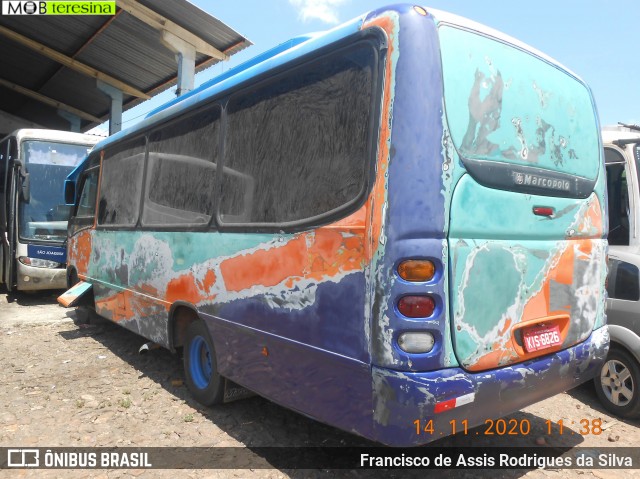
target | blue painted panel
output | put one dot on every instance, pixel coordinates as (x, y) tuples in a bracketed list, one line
[(414, 224), (333, 319), (318, 383), (51, 253)]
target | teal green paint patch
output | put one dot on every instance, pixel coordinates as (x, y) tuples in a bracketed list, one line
[(509, 216), (466, 345), (492, 286), (448, 357), (507, 105), (191, 249), (148, 252)]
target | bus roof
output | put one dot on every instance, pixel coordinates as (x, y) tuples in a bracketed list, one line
[(296, 48), (55, 135), (262, 63), (452, 19)]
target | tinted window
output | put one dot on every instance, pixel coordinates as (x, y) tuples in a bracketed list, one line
[(181, 171), (618, 201), (612, 156), (623, 281), (297, 146), (87, 202), (121, 185)]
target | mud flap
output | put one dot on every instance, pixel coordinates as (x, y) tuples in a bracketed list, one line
[(72, 296), (235, 392)]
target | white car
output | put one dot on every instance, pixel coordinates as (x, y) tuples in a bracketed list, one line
[(618, 385)]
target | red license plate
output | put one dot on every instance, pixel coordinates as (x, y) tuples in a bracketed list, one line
[(536, 338)]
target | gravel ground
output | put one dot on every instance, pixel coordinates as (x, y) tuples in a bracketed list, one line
[(74, 380)]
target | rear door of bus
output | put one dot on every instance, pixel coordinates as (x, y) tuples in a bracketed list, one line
[(526, 213)]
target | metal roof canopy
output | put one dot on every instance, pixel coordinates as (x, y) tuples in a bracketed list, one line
[(65, 71)]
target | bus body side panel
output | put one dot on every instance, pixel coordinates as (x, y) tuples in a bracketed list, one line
[(129, 296), (330, 387), (301, 287), (79, 251), (290, 322), (289, 303)]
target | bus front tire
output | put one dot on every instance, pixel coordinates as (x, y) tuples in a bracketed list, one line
[(618, 384), (200, 368)]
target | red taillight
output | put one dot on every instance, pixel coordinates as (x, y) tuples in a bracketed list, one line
[(543, 211), (416, 306)]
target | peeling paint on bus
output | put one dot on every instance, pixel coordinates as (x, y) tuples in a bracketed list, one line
[(324, 302)]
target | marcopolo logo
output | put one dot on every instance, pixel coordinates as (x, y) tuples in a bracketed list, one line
[(526, 179), (16, 7)]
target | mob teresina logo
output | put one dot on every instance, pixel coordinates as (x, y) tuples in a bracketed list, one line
[(526, 179)]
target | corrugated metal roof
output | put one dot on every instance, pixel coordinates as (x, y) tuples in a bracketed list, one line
[(121, 46), (209, 28)]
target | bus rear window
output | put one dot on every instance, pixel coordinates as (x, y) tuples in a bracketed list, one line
[(507, 105)]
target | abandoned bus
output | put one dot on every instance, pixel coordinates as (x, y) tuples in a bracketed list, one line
[(33, 214), (389, 227)]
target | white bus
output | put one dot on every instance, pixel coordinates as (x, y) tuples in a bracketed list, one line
[(33, 215)]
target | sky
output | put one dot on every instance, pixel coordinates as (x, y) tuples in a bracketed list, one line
[(594, 39)]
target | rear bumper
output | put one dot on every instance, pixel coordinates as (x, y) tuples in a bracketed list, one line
[(401, 398)]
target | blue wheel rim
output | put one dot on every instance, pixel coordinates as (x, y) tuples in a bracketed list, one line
[(200, 364)]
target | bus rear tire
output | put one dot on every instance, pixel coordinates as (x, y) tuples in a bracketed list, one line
[(200, 367)]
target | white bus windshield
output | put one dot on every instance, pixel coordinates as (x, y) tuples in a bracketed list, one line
[(45, 215)]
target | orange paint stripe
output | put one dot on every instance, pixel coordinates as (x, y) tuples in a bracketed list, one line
[(265, 267), (323, 253), (377, 198)]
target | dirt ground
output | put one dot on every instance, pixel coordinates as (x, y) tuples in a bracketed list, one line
[(69, 382)]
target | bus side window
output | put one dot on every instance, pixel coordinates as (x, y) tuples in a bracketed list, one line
[(181, 171), (87, 202), (121, 185), (237, 206), (618, 198)]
